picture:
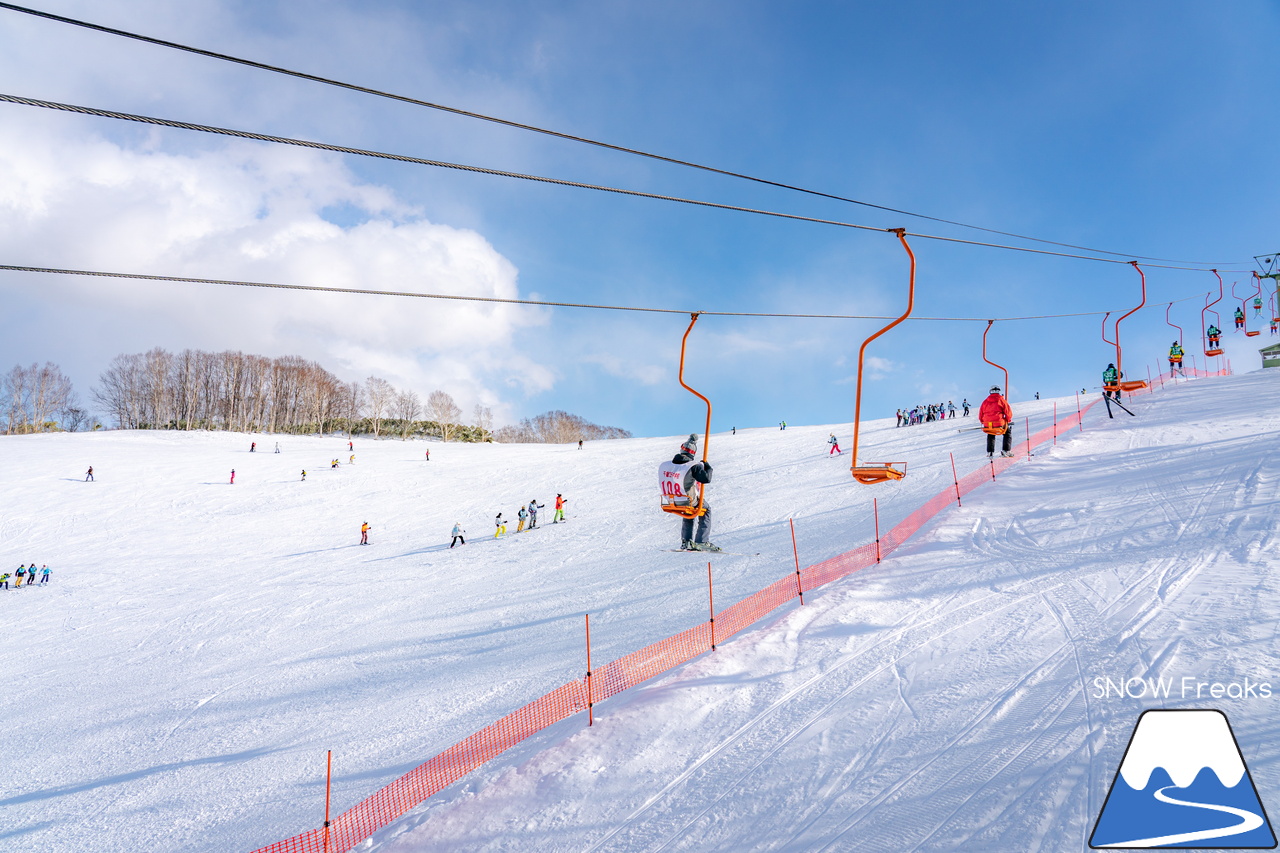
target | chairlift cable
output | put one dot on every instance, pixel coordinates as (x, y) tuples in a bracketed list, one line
[(422, 161), (558, 134)]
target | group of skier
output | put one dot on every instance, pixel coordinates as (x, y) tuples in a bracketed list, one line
[(928, 413), (27, 573), (527, 514)]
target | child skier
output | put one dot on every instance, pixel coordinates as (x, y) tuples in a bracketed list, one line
[(253, 446), (965, 404), (20, 574), (995, 413), (523, 515), (559, 516), (534, 506), (499, 526), (835, 445), (44, 573), (459, 535), (4, 580), (304, 475), (233, 476)]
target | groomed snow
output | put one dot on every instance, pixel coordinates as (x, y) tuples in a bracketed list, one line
[(202, 644)]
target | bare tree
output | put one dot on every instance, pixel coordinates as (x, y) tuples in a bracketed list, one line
[(351, 404), (72, 416), (17, 397), (380, 394), (119, 391), (408, 408), (482, 418), (445, 412)]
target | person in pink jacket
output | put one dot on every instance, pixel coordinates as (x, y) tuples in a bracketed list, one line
[(995, 414)]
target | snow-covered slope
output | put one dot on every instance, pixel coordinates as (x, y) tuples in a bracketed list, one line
[(202, 644)]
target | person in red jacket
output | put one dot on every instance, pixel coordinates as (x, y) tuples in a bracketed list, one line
[(995, 413)]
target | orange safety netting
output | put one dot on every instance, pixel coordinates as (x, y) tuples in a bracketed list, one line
[(372, 814)]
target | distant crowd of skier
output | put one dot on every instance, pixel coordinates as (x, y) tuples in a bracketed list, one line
[(923, 414)]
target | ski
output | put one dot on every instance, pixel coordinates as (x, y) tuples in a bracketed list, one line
[(721, 553)]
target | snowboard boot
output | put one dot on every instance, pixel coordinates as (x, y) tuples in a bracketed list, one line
[(704, 546), (686, 545), (1006, 453)]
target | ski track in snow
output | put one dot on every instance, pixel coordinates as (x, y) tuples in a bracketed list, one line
[(210, 641)]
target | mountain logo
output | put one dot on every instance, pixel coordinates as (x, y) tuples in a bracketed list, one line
[(1183, 783)]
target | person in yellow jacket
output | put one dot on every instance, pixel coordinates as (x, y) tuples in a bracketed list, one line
[(1175, 357), (364, 533)]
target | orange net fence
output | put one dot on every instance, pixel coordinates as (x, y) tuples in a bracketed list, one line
[(364, 819)]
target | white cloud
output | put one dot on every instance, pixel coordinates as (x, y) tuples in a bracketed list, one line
[(254, 212)]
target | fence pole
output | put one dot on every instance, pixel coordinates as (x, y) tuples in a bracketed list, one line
[(796, 552), (712, 602), (992, 462), (328, 781), (875, 509), (1149, 388), (591, 716), (955, 479), (1079, 414), (1026, 421), (1055, 422)]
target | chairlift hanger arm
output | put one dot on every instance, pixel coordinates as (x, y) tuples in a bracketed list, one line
[(878, 474)]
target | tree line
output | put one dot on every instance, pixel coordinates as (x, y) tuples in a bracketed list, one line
[(239, 392)]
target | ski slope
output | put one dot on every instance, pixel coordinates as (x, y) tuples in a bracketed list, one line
[(202, 644)]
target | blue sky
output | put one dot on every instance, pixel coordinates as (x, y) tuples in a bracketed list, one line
[(1141, 128)]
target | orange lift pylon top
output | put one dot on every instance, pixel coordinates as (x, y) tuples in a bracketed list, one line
[(686, 506), (879, 473), (1000, 430), (1211, 349)]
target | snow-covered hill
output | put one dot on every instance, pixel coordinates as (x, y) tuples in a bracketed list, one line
[(202, 644)]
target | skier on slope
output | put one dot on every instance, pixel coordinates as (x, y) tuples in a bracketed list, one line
[(364, 533), (1175, 358), (995, 413), (559, 515), (681, 482), (1111, 382), (459, 535), (523, 515), (4, 580), (835, 445), (534, 506), (965, 404), (19, 575)]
